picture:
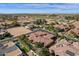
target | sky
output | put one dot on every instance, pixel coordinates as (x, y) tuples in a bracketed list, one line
[(70, 8)]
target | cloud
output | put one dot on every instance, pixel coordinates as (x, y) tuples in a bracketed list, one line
[(54, 7), (59, 6)]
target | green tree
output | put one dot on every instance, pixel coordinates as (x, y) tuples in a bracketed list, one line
[(44, 52), (15, 23), (39, 45), (40, 21), (7, 34), (69, 17), (24, 37)]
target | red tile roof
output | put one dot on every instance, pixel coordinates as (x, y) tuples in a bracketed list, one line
[(41, 36)]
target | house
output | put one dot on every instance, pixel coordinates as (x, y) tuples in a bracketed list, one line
[(43, 37), (61, 27), (76, 24), (17, 31), (24, 19), (75, 31), (50, 21), (1, 20), (2, 23), (5, 22), (8, 48), (8, 22), (65, 48)]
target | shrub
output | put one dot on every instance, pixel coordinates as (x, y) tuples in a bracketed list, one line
[(44, 52), (39, 45)]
